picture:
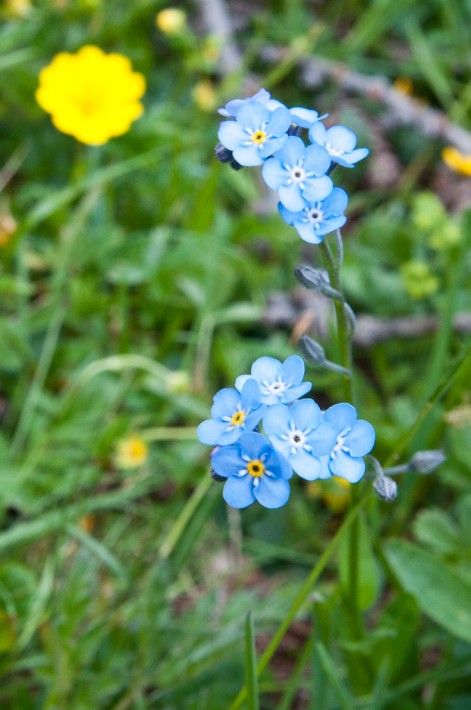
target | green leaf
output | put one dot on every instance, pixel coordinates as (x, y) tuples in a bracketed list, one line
[(438, 531), (439, 592), (368, 581)]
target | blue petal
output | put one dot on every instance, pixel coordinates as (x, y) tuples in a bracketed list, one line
[(317, 188), (231, 134), (272, 145), (253, 445), (292, 151), (278, 464), (341, 416), (250, 394), (330, 225), (322, 439), (317, 133), (276, 420), (357, 155), (293, 369), (303, 117), (227, 461), (210, 431), (274, 173), (348, 467), (248, 155), (238, 492), (307, 232), (325, 471), (240, 381), (341, 139), (230, 436), (306, 465), (360, 440), (288, 216), (336, 202), (279, 121), (266, 368), (295, 392), (290, 197), (305, 413), (226, 402), (252, 114), (317, 160), (252, 420), (272, 492)]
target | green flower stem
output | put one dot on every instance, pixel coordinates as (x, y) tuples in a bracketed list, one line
[(303, 594), (332, 264)]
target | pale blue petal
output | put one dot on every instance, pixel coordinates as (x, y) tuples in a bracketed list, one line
[(227, 461), (323, 438), (230, 436), (317, 160), (290, 197), (252, 420), (341, 139), (272, 145), (248, 155), (210, 431), (330, 225), (360, 440), (303, 117), (357, 155), (307, 232), (341, 416), (325, 471), (272, 492), (292, 151), (276, 420), (252, 114), (250, 394), (295, 392), (305, 413), (293, 369), (317, 188), (278, 464), (240, 381), (317, 133), (336, 202), (306, 465), (288, 216), (274, 174), (226, 402), (266, 368), (231, 134), (253, 444), (238, 492), (348, 467), (279, 121)]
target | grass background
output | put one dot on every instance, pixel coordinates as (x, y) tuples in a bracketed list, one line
[(135, 285)]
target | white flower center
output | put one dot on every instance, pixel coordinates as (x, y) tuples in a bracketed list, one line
[(277, 387), (333, 151), (297, 174), (314, 215), (339, 444)]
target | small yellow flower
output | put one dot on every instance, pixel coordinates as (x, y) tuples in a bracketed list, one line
[(91, 95), (18, 8), (131, 452), (204, 96), (404, 85), (456, 161), (171, 21), (418, 280)]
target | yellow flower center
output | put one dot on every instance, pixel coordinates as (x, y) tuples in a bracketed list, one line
[(238, 418), (256, 468), (259, 137)]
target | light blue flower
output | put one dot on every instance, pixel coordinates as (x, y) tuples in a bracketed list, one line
[(233, 413), (256, 133), (354, 438), (254, 471), (339, 142), (317, 219), (231, 108), (303, 117), (301, 435), (278, 382), (298, 173)]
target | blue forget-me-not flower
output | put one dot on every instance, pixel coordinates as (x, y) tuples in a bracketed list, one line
[(298, 174), (256, 133), (354, 438), (317, 219), (254, 471), (339, 142), (280, 383), (303, 117), (301, 435), (233, 413)]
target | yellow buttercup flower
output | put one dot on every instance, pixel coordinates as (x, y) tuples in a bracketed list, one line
[(457, 161), (131, 452), (91, 95)]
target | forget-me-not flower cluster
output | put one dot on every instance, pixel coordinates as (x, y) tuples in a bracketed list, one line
[(262, 131), (297, 435)]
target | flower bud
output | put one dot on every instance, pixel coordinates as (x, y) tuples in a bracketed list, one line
[(426, 461), (385, 488), (316, 280), (312, 351)]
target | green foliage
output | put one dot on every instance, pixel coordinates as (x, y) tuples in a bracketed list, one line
[(134, 285)]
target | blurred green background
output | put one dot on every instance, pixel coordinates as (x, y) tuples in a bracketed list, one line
[(139, 277)]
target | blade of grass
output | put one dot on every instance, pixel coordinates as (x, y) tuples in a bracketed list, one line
[(251, 678)]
